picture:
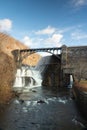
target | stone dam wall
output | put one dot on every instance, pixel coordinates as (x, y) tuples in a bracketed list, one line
[(49, 68), (74, 61)]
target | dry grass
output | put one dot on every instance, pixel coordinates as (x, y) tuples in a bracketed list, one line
[(7, 75), (82, 85), (7, 65), (5, 94), (8, 43)]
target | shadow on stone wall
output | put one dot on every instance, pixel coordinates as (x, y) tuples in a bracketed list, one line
[(49, 67)]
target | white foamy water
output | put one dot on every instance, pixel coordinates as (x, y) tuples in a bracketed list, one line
[(78, 122), (27, 78)]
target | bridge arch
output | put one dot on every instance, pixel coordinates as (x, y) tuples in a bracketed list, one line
[(20, 55), (27, 54)]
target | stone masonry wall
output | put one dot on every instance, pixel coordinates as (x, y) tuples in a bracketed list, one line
[(49, 67), (74, 60)]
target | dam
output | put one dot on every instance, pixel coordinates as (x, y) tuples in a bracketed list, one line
[(64, 62), (45, 100)]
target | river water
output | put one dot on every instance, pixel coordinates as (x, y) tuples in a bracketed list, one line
[(39, 107), (42, 109)]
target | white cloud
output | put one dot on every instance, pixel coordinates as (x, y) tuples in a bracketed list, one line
[(67, 29), (48, 30), (57, 37), (78, 35), (27, 41), (55, 40), (37, 42), (5, 25), (52, 38), (79, 3)]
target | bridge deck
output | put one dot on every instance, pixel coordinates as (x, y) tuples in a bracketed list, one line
[(40, 49)]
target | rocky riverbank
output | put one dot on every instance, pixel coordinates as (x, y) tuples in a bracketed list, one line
[(82, 85), (80, 94)]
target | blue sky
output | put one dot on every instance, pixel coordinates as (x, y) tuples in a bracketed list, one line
[(45, 23)]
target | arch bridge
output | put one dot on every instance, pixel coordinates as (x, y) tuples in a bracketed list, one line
[(19, 55)]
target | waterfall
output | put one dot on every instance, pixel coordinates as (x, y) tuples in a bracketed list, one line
[(71, 82), (27, 78)]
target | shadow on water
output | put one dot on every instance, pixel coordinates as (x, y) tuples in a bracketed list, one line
[(42, 108)]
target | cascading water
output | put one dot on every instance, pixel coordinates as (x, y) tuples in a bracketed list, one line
[(27, 78)]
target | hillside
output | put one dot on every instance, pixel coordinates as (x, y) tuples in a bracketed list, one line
[(8, 43), (7, 76), (8, 66)]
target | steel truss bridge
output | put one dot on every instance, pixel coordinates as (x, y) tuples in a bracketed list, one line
[(20, 55)]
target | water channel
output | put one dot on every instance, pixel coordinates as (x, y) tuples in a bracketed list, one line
[(40, 108)]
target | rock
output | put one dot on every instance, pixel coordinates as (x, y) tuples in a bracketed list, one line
[(40, 101)]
